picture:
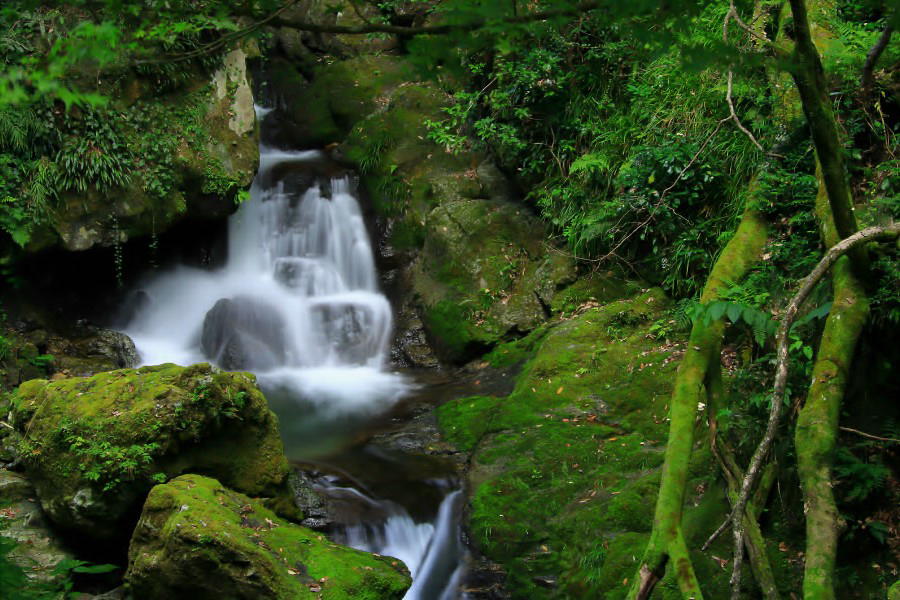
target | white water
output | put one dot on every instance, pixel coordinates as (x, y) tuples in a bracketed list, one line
[(297, 302), (431, 551)]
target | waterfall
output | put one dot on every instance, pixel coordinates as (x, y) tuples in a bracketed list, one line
[(297, 302)]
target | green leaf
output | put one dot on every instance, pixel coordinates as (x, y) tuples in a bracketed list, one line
[(734, 312)]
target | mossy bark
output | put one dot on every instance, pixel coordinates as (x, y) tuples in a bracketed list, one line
[(809, 77), (667, 539), (817, 424)]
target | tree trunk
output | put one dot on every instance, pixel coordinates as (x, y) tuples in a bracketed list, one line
[(809, 77), (667, 539), (817, 425)]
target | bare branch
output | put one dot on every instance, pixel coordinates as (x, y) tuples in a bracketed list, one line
[(734, 117), (870, 436)]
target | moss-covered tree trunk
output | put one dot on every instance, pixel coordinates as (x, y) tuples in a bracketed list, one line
[(817, 425), (667, 539), (809, 77)]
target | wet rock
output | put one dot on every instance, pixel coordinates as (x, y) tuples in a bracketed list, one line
[(310, 501), (93, 447), (38, 548), (196, 538), (347, 328), (91, 350), (244, 333), (411, 347)]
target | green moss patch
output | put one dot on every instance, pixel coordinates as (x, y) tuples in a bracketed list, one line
[(196, 538), (565, 470), (94, 446)]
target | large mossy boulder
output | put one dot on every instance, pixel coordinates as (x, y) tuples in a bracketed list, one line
[(477, 263), (198, 539), (187, 148), (564, 470), (93, 447)]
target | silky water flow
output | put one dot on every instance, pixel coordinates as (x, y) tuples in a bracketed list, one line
[(298, 304)]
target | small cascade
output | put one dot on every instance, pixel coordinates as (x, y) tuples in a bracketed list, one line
[(298, 303), (432, 551)]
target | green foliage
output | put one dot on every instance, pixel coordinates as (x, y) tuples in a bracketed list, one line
[(606, 132), (93, 153), (104, 462), (858, 478)]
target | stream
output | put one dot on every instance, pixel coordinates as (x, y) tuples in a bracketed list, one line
[(298, 304)]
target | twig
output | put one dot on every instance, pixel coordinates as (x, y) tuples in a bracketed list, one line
[(869, 435), (734, 117), (780, 385)]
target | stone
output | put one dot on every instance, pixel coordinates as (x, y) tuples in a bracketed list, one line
[(38, 548), (93, 447), (195, 538), (244, 333)]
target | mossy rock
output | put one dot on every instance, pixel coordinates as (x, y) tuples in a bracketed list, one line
[(198, 539), (484, 274), (94, 446), (38, 549), (564, 470), (340, 94), (190, 152)]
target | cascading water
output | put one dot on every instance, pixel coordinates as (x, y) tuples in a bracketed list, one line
[(297, 302)]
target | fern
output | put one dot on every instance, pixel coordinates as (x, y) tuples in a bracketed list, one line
[(858, 479)]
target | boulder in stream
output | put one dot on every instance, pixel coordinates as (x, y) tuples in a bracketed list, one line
[(198, 539), (93, 447), (244, 333)]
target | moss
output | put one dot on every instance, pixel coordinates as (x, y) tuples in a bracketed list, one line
[(94, 446), (197, 538), (305, 106), (486, 256), (894, 592), (563, 467), (448, 325), (511, 353), (595, 288)]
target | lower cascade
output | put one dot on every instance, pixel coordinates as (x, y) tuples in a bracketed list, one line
[(297, 303)]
